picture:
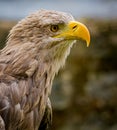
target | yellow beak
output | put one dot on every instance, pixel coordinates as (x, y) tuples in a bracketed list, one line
[(76, 30)]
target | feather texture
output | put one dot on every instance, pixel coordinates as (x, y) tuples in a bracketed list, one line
[(28, 64)]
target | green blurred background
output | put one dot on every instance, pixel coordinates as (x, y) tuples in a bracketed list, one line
[(84, 95)]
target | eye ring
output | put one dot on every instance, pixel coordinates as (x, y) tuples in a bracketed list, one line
[(54, 28)]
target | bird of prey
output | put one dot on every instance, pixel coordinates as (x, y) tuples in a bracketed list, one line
[(35, 50)]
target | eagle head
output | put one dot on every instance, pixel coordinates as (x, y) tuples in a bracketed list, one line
[(48, 33)]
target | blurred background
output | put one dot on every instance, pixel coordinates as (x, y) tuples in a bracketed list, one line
[(84, 95)]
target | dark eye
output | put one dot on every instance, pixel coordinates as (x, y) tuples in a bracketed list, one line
[(54, 28)]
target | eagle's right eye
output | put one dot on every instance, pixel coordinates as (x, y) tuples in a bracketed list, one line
[(54, 28)]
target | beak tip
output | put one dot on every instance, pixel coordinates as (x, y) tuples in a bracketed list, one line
[(88, 43), (88, 39)]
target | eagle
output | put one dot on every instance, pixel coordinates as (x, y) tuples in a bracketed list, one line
[(36, 48)]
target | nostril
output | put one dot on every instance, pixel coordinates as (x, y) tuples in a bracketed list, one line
[(74, 27)]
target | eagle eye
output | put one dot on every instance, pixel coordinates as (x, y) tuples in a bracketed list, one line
[(54, 28)]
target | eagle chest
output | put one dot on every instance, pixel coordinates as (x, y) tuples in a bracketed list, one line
[(43, 83), (28, 110)]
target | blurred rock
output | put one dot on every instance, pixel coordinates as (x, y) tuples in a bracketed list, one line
[(5, 27), (113, 127), (61, 96), (102, 87)]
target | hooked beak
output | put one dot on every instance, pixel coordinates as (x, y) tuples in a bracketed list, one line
[(75, 30)]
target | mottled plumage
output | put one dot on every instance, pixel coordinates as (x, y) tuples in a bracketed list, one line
[(32, 56)]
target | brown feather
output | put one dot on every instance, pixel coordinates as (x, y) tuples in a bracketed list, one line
[(28, 64)]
